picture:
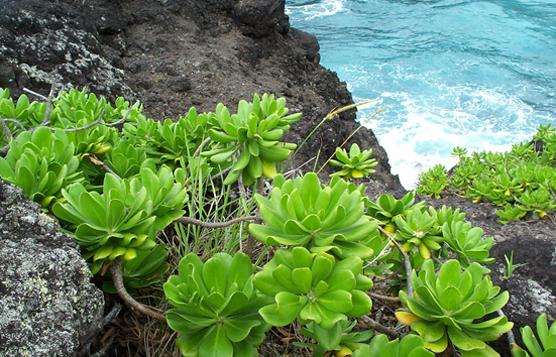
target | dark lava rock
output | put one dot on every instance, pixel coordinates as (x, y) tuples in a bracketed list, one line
[(308, 44), (262, 17), (44, 42), (173, 54), (48, 306)]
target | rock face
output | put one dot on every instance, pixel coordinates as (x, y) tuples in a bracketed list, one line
[(48, 306), (173, 54)]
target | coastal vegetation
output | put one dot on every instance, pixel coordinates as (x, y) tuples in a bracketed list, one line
[(521, 181), (245, 251)]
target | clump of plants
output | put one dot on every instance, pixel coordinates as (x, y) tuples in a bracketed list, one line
[(354, 163), (446, 307), (520, 181), (323, 218), (542, 346), (295, 267), (215, 307)]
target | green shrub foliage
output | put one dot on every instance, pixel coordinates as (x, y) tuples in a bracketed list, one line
[(116, 179), (41, 162), (433, 182), (303, 212), (124, 217), (251, 136), (520, 181), (445, 307), (339, 338), (313, 287), (380, 346), (355, 163), (215, 307), (546, 347)]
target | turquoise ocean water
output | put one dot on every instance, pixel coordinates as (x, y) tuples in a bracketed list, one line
[(478, 74)]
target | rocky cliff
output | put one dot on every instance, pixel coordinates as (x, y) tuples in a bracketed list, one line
[(173, 54)]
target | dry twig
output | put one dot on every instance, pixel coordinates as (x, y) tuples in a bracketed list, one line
[(116, 270)]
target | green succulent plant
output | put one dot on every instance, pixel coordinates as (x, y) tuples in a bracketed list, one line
[(215, 307), (447, 215), (533, 348), (176, 141), (387, 208), (340, 338), (468, 242), (41, 163), (249, 139), (166, 195), (380, 346), (303, 212), (419, 229), (540, 201), (520, 180), (446, 305), (312, 287), (433, 182), (21, 115), (125, 217), (126, 158), (459, 152), (114, 223), (355, 164), (510, 213)]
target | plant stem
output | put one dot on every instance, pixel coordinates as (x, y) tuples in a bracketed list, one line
[(510, 333), (200, 148), (407, 262), (329, 116), (95, 161), (116, 270), (380, 328), (190, 220), (88, 126), (392, 299)]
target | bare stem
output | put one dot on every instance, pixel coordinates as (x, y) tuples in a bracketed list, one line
[(407, 262), (380, 328), (88, 126), (190, 220), (391, 299), (116, 270), (95, 161), (221, 173), (46, 118), (200, 148), (7, 130), (4, 150), (510, 333)]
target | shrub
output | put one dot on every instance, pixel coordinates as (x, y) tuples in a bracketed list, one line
[(215, 308), (251, 138), (303, 212), (446, 305), (380, 346), (340, 338), (313, 287), (433, 182), (355, 164), (41, 163), (520, 180), (123, 218)]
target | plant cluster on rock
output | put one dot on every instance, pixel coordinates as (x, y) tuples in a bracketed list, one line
[(120, 183), (521, 181)]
